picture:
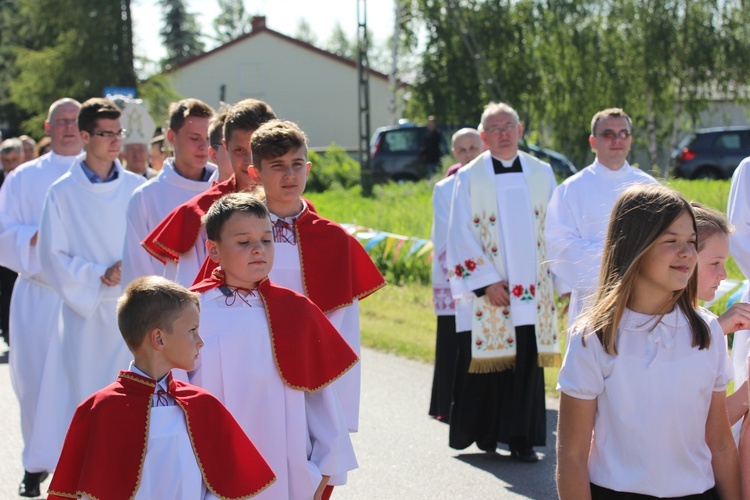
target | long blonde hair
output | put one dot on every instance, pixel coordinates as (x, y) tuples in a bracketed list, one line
[(640, 215)]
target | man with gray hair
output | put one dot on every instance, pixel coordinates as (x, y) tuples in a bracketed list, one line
[(35, 311), (11, 156), (496, 255)]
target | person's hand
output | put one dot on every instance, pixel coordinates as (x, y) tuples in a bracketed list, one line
[(498, 294), (321, 488), (736, 318), (113, 274), (34, 238)]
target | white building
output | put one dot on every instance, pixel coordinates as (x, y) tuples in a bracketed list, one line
[(312, 87)]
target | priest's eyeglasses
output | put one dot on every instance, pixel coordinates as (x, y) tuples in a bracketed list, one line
[(610, 135), (502, 130), (122, 133)]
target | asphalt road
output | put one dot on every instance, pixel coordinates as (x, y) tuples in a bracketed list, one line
[(402, 453)]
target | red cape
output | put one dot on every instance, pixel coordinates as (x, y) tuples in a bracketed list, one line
[(179, 230), (336, 269), (102, 458), (308, 351)]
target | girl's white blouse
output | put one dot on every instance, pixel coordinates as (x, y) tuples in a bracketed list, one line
[(652, 403)]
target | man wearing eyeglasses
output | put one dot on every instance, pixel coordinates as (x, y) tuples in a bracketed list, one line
[(578, 213), (81, 236), (494, 235), (35, 309)]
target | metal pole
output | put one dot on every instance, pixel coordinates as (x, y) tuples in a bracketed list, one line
[(363, 67)]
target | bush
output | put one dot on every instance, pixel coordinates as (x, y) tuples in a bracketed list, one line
[(334, 167)]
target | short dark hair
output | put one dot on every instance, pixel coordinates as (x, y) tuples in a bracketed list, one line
[(151, 302), (94, 110), (224, 207), (276, 138), (610, 113), (248, 114), (216, 126), (179, 112)]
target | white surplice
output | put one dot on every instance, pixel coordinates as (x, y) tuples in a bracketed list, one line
[(81, 235), (148, 207), (738, 213), (35, 309), (576, 226), (287, 272), (302, 436)]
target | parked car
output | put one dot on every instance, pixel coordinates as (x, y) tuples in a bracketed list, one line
[(711, 153), (394, 154)]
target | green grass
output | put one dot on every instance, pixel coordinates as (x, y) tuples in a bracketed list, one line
[(399, 319)]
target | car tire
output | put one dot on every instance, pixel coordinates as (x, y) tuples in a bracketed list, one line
[(707, 172)]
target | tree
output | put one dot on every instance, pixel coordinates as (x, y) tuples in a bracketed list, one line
[(233, 20), (68, 48), (181, 33), (305, 33), (339, 43)]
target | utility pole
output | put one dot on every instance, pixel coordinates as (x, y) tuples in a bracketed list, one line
[(363, 66)]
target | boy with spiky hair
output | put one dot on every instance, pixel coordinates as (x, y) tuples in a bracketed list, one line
[(148, 435)]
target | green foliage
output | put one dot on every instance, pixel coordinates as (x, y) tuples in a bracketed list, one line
[(159, 92), (305, 32), (233, 20), (181, 32), (334, 168), (68, 48)]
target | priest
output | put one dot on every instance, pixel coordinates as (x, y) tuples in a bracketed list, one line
[(496, 250)]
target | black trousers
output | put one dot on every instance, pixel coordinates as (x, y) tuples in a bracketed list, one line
[(506, 407), (7, 280), (600, 493), (446, 351)]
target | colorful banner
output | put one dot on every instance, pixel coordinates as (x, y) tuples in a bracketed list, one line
[(395, 246)]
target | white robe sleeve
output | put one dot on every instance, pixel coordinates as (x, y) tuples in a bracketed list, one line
[(346, 322), (76, 279), (462, 244), (573, 259), (329, 448), (136, 261), (738, 212), (16, 251)]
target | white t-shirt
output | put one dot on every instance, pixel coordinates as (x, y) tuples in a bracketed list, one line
[(652, 403)]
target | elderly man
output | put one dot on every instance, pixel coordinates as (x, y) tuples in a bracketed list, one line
[(466, 144), (496, 250), (11, 156), (578, 213), (35, 311)]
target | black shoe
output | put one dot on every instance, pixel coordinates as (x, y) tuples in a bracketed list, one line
[(525, 454), (30, 485)]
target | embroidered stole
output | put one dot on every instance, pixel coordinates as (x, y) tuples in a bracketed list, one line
[(493, 334)]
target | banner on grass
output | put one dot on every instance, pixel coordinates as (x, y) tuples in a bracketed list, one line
[(396, 245)]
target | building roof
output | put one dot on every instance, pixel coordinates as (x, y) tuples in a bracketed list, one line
[(258, 27)]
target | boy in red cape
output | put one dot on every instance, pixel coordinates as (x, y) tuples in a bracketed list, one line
[(271, 355), (313, 256), (178, 239), (148, 435)]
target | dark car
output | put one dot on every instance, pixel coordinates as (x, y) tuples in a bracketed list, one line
[(394, 153), (711, 153)]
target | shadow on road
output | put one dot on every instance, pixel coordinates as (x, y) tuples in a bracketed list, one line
[(536, 480), (4, 357)]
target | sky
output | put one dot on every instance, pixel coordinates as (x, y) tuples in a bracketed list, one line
[(281, 15)]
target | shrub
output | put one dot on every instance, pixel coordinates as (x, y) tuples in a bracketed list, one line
[(334, 167)]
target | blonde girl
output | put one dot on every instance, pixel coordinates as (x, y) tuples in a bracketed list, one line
[(643, 404)]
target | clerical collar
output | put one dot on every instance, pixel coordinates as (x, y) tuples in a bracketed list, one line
[(507, 166)]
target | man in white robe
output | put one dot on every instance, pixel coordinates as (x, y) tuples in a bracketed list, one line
[(578, 213), (181, 178), (35, 310), (499, 382), (81, 235)]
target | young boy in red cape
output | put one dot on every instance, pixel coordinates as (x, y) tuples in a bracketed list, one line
[(271, 355), (148, 435), (313, 256), (178, 240)]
